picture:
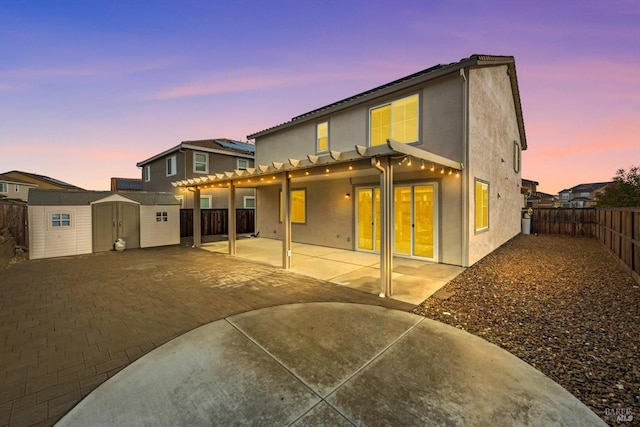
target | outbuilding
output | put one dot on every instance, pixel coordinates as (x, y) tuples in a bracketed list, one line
[(68, 222)]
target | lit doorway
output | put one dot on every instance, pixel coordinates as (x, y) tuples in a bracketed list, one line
[(415, 220)]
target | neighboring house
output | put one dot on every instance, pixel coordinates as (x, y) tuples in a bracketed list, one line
[(126, 184), (582, 195), (68, 222), (199, 160), (539, 199), (14, 188), (425, 167), (41, 181), (528, 189)]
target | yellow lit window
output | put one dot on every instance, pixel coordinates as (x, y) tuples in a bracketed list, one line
[(482, 205), (298, 206), (397, 120), (322, 132)]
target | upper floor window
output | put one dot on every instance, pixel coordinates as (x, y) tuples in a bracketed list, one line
[(322, 136), (243, 164), (147, 173), (4, 187), (516, 157), (482, 205), (17, 188), (201, 162), (397, 120), (585, 194), (565, 196), (171, 166)]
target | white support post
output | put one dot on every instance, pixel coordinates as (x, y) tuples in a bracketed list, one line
[(231, 221), (197, 219), (386, 228), (286, 220)]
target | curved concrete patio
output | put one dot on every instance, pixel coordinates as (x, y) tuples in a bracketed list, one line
[(329, 364)]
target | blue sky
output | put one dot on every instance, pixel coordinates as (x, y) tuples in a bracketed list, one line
[(89, 88)]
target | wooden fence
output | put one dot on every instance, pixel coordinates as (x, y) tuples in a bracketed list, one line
[(618, 229), (567, 221), (215, 221), (13, 215)]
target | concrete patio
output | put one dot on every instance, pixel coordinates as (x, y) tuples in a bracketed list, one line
[(414, 280), (298, 365)]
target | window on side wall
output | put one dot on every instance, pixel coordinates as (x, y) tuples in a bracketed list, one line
[(59, 220), (249, 202), (298, 206), (516, 156), (4, 187), (201, 162), (242, 164), (397, 120), (322, 137), (482, 205), (147, 173), (171, 166), (205, 202)]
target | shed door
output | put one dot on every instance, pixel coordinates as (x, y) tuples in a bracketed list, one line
[(113, 220)]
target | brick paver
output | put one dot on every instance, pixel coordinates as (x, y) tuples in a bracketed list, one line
[(68, 324)]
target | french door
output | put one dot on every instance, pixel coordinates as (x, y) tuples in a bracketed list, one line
[(415, 220)]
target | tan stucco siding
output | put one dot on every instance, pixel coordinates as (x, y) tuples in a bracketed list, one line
[(329, 215), (440, 129), (493, 128), (159, 233)]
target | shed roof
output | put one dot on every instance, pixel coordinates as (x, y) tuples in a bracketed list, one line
[(41, 197)]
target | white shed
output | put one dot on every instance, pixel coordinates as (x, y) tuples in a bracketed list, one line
[(69, 222)]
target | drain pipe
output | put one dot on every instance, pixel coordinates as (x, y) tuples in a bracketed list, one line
[(386, 204), (465, 171)]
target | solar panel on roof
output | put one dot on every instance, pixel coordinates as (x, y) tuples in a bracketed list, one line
[(236, 145)]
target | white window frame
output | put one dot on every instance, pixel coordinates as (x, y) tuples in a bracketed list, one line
[(147, 173), (162, 216), (480, 229), (247, 198), (59, 218), (4, 187), (318, 149), (209, 198), (390, 103), (239, 166), (196, 163), (172, 166)]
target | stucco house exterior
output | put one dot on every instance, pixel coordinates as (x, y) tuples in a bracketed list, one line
[(197, 159), (14, 188), (425, 167)]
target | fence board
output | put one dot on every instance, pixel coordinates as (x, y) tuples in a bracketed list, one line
[(13, 215), (215, 221)]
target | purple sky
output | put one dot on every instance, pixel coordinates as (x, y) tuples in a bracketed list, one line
[(89, 88)]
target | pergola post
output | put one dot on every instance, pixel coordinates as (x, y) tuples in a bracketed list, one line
[(231, 221), (386, 227), (197, 219), (286, 221)]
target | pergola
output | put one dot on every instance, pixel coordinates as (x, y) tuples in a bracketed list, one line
[(313, 166)]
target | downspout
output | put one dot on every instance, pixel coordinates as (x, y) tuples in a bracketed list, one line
[(465, 170)]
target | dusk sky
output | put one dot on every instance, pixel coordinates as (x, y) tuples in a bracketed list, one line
[(90, 88)]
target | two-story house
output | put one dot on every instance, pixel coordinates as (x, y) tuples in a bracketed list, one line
[(16, 184), (197, 160), (14, 188), (582, 195), (425, 167)]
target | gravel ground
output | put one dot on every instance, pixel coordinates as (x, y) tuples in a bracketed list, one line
[(563, 305)]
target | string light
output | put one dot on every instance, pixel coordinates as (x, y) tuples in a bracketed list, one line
[(450, 172), (422, 165), (350, 167), (433, 167), (457, 174), (442, 171), (327, 170), (306, 173), (409, 162)]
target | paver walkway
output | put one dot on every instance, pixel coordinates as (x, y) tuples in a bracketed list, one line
[(68, 324)]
